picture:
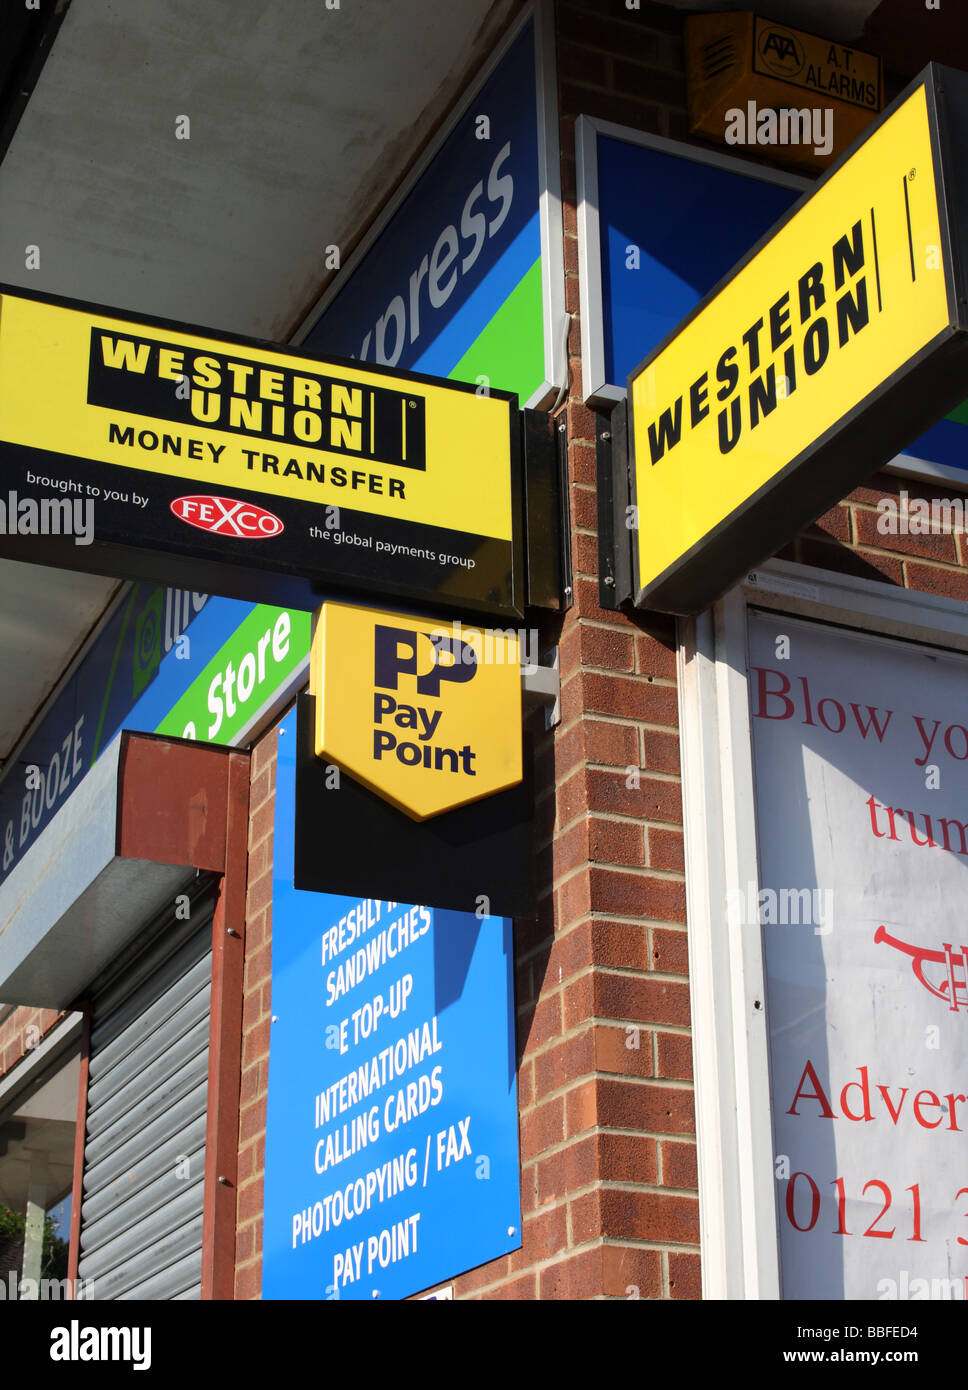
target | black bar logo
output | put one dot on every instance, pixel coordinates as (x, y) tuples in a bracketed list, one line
[(263, 400)]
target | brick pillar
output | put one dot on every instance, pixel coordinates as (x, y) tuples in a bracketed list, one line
[(255, 1021), (608, 1156)]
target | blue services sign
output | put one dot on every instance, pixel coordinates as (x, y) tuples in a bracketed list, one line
[(392, 1126), (711, 216), (452, 286)]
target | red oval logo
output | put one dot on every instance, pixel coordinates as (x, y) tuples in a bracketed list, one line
[(227, 516)]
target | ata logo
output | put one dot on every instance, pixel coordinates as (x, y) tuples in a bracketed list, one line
[(781, 52), (426, 715), (946, 984), (226, 516)]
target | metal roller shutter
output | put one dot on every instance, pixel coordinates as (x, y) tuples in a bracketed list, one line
[(144, 1153)]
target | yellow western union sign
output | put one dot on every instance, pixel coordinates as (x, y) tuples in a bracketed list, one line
[(427, 714), (363, 471), (830, 348)]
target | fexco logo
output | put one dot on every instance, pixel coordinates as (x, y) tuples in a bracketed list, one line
[(426, 716), (781, 52), (225, 516)]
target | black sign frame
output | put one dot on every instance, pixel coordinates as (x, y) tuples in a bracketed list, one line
[(165, 550)]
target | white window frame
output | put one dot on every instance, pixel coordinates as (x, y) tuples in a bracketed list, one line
[(737, 1188)]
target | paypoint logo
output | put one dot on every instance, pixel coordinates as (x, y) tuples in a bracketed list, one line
[(425, 716), (396, 653)]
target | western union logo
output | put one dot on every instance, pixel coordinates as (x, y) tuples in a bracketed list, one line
[(168, 382), (426, 715), (828, 305), (88, 385), (816, 361)]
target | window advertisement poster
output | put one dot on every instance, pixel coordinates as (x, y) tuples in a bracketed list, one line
[(392, 1128), (457, 283), (645, 274), (859, 749)]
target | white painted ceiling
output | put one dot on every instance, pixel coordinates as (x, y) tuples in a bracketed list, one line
[(300, 118)]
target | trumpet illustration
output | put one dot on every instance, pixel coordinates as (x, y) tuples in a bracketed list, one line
[(950, 984)]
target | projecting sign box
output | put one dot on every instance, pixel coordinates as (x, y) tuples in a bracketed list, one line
[(240, 468), (834, 343), (426, 714)]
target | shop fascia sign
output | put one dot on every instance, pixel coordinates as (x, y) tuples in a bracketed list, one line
[(235, 467), (833, 344)]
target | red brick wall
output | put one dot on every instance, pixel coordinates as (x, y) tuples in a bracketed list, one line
[(846, 539)]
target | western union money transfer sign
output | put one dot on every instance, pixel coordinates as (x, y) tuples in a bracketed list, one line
[(837, 341), (253, 459), (426, 714)]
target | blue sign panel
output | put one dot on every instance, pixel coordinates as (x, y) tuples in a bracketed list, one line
[(710, 217), (656, 268), (392, 1127), (452, 285)]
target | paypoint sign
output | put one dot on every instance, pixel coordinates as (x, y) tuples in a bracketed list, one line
[(259, 464), (426, 714), (832, 345)]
